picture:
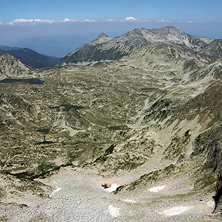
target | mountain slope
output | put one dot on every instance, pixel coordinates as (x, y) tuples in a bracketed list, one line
[(30, 57), (105, 49)]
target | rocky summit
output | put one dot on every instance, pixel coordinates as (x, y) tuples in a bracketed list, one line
[(135, 138)]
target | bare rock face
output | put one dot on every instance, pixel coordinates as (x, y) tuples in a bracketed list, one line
[(210, 143)]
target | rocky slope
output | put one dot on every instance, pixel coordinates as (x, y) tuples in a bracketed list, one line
[(149, 122), (213, 50), (105, 49), (12, 67)]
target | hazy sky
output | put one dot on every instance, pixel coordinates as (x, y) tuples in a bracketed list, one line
[(199, 10), (23, 19)]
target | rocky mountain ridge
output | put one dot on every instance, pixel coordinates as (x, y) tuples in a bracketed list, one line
[(106, 49)]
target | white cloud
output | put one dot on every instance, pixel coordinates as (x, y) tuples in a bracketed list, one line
[(130, 19), (133, 19), (66, 20), (164, 21), (69, 20), (183, 21), (110, 20), (88, 20), (23, 21), (161, 20)]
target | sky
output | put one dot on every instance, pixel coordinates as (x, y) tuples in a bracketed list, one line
[(28, 22)]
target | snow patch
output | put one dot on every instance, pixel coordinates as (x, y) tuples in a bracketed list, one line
[(129, 201), (157, 189), (114, 211), (55, 191), (176, 210), (112, 188)]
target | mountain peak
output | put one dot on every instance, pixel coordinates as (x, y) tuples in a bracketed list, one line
[(170, 27), (102, 35), (101, 38)]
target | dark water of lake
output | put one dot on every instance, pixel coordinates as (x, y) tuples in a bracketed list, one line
[(30, 81), (77, 107), (73, 107)]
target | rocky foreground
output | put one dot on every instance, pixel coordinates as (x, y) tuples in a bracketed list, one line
[(79, 196), (146, 127)]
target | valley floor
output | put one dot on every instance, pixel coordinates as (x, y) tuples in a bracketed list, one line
[(79, 196)]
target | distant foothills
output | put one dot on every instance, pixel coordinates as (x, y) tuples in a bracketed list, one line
[(30, 57)]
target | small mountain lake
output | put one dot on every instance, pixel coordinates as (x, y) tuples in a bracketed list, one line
[(30, 81), (66, 108)]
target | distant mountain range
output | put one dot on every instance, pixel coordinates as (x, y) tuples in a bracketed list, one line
[(105, 49), (29, 57)]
